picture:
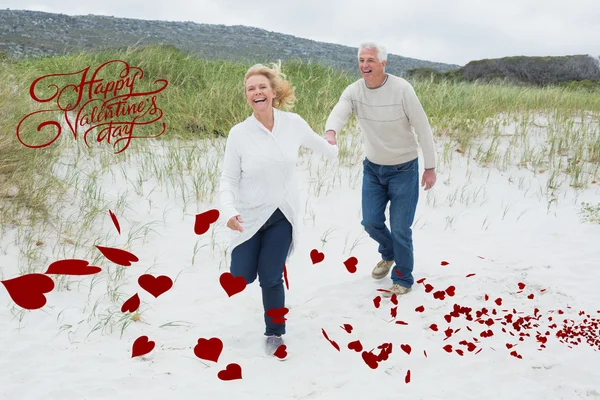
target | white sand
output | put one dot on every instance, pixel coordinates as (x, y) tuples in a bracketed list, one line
[(48, 356)]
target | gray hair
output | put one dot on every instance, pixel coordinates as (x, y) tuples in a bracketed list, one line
[(381, 50)]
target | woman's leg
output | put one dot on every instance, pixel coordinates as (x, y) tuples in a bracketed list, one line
[(276, 240)]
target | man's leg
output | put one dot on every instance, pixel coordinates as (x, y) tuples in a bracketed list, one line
[(276, 240), (374, 202), (404, 194)]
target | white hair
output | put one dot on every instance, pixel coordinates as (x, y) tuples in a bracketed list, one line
[(381, 50)]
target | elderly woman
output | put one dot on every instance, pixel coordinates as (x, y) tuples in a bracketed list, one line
[(258, 188)]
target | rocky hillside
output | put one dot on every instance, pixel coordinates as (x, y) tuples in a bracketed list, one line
[(32, 33)]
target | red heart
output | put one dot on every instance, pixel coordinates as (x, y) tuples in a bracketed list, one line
[(394, 299), (470, 275), (406, 348), (433, 327), (316, 256), (440, 295), (471, 346), (204, 220), (155, 285), (377, 301), (530, 297), (370, 359), (450, 291), (521, 285), (28, 290), (347, 327), (115, 221), (281, 352), (209, 349), (142, 346), (394, 312), (356, 346), (118, 256), (131, 304), (232, 285), (420, 309), (277, 314), (448, 348), (71, 267), (231, 372), (498, 301), (428, 288), (421, 280), (444, 263), (351, 264), (407, 377)]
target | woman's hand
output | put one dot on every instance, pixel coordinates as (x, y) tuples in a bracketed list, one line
[(235, 223)]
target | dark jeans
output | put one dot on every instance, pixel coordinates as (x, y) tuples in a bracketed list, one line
[(398, 184), (264, 254)]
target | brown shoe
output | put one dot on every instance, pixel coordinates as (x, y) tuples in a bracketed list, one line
[(397, 290), (382, 269)]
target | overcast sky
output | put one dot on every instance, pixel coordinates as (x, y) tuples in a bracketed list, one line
[(451, 31)]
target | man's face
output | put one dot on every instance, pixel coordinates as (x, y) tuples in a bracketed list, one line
[(370, 67)]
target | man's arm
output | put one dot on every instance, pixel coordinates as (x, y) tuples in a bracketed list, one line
[(339, 115), (418, 119)]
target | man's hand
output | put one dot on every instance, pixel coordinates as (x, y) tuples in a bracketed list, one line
[(429, 179), (330, 137), (235, 223)]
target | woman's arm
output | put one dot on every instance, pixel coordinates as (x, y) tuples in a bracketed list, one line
[(313, 141), (230, 177)]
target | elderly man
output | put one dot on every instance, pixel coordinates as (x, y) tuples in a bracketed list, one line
[(391, 119)]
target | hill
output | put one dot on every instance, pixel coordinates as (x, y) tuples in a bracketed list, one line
[(33, 33)]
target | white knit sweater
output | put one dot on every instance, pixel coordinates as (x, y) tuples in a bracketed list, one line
[(391, 119), (259, 172)]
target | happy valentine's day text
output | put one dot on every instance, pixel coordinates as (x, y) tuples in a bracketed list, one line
[(98, 102)]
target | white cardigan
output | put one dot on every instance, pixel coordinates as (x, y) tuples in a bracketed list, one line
[(259, 172)]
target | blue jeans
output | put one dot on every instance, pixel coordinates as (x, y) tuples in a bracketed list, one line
[(264, 254), (398, 184)]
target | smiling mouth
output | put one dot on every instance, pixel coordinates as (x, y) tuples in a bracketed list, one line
[(260, 100), (367, 71)]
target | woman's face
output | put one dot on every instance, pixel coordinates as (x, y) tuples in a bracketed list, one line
[(259, 93)]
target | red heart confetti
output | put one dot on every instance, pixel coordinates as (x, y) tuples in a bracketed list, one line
[(425, 353), (421, 280), (406, 348), (470, 275), (444, 263), (334, 344), (71, 266), (433, 327), (394, 312), (281, 352), (231, 372), (118, 256), (420, 309), (155, 285), (521, 285), (142, 346), (347, 327), (543, 290), (439, 295), (394, 299), (377, 301), (277, 315), (115, 221), (28, 291), (232, 285), (481, 257), (209, 349), (316, 256), (407, 377), (428, 288), (448, 348), (530, 297), (401, 323), (204, 220), (450, 291), (370, 359), (498, 301), (131, 304), (351, 264), (486, 297), (285, 278), (356, 346)]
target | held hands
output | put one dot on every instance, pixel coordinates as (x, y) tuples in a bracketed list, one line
[(330, 137), (235, 223), (429, 179)]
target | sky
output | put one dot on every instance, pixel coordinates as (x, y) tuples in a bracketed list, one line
[(455, 32)]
